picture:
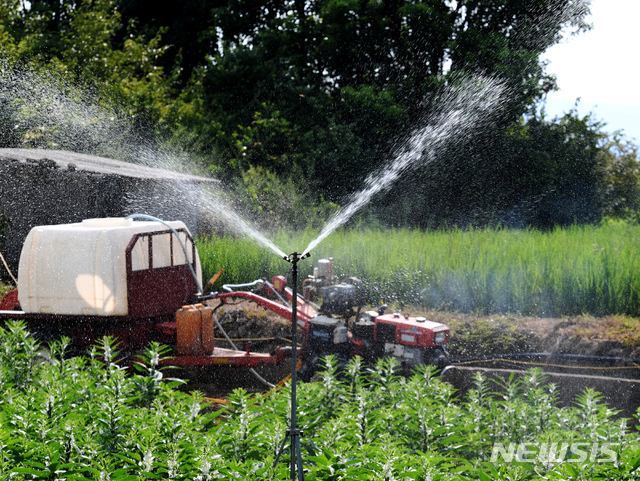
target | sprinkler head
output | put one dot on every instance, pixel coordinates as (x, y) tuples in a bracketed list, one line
[(295, 257)]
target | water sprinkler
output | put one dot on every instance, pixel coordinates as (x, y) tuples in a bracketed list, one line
[(295, 257), (294, 433)]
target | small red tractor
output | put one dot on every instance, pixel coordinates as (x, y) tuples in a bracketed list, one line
[(141, 282)]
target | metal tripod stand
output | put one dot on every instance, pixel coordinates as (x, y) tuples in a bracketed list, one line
[(294, 433)]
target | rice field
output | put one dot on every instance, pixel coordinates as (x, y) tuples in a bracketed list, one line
[(579, 270)]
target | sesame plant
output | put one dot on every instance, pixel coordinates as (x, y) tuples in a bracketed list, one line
[(79, 418)]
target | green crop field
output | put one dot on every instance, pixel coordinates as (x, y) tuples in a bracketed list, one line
[(578, 270), (81, 419)]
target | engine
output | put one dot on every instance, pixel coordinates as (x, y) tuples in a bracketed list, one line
[(373, 334), (411, 340), (326, 332), (338, 298)]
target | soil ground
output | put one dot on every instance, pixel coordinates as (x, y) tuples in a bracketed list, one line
[(616, 336)]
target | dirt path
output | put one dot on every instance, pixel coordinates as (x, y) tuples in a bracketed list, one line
[(616, 336)]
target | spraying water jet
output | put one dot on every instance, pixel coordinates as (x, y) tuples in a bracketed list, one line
[(52, 113), (463, 109)]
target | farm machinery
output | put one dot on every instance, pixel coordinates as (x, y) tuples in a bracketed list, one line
[(140, 281)]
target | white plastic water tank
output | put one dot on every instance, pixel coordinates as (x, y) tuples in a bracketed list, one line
[(80, 269)]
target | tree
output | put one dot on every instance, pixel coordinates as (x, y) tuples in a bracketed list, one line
[(184, 28), (320, 94), (538, 172), (621, 177), (83, 39), (75, 48), (352, 77)]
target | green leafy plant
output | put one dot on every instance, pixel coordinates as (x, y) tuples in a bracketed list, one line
[(73, 418)]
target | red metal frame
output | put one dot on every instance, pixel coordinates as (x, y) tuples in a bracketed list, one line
[(161, 290), (229, 357), (305, 311), (243, 359), (10, 301), (423, 333)]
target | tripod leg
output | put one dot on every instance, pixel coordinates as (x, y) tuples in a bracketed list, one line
[(299, 456), (280, 451), (293, 457)]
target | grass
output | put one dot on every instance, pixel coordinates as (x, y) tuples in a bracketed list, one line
[(571, 271)]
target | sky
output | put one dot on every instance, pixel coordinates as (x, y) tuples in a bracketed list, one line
[(601, 68)]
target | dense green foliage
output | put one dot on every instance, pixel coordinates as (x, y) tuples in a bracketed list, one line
[(87, 418), (536, 173), (568, 271), (319, 94)]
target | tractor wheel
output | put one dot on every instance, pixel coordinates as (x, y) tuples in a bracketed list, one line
[(309, 368), (439, 358)]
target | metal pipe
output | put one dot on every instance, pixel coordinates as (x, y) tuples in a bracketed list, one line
[(273, 289), (8, 270), (230, 287), (296, 455), (294, 354)]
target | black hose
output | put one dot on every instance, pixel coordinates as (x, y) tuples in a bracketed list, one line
[(488, 357), (515, 355), (453, 363)]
